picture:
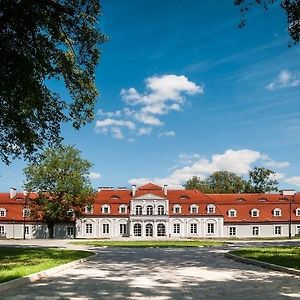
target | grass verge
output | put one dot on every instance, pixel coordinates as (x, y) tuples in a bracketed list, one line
[(19, 262), (282, 256), (145, 244)]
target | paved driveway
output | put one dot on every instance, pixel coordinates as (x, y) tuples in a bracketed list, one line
[(151, 273)]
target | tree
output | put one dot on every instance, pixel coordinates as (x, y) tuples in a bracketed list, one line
[(290, 7), (261, 180), (43, 41), (222, 182), (60, 177)]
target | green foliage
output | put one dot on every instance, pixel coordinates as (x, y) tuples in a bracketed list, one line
[(220, 182), (60, 176), (260, 181), (19, 262), (42, 40), (290, 7)]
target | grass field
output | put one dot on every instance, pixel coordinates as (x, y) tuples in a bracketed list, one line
[(144, 244), (283, 256), (19, 262)]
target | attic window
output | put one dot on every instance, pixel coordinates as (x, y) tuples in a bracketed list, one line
[(184, 197), (115, 197), (262, 200), (240, 200)]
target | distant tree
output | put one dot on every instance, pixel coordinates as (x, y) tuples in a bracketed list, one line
[(261, 180), (60, 178), (220, 182), (42, 40), (290, 7)]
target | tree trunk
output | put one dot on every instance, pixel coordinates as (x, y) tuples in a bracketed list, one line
[(51, 230)]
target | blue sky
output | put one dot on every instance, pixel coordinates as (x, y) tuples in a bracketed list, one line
[(185, 92)]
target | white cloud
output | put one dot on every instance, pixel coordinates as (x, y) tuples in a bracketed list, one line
[(167, 134), (144, 131), (237, 161), (148, 119), (293, 180), (94, 175), (283, 80)]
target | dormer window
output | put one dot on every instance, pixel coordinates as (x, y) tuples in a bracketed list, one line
[(194, 209), (262, 200), (70, 213), (105, 209), (298, 212), (232, 213), (277, 212), (211, 209), (123, 209), (89, 209), (184, 197), (2, 212), (26, 212), (240, 199), (115, 197), (254, 213), (177, 209)]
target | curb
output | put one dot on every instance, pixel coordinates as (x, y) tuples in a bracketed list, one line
[(263, 264), (41, 275)]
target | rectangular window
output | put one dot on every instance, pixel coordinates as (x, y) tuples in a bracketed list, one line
[(177, 210), (26, 229), (176, 228), (105, 210), (70, 231), (211, 228), (105, 228), (194, 228), (2, 232), (232, 231), (89, 228), (2, 213), (298, 229), (89, 209), (123, 209), (298, 212), (277, 230), (255, 230), (123, 228), (26, 212)]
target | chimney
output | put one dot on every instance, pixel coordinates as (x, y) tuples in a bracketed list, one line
[(12, 192), (165, 189), (133, 190), (108, 188), (288, 192)]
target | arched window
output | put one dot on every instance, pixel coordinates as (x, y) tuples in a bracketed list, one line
[(149, 230), (160, 210), (105, 209), (149, 210), (177, 209), (277, 212), (194, 209), (138, 210), (254, 213), (232, 213), (2, 212), (211, 209), (137, 229), (161, 229)]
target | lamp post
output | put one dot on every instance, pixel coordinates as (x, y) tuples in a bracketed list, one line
[(291, 199), (24, 217)]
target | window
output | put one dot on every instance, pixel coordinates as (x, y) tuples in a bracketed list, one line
[(277, 212), (277, 230), (177, 209), (105, 228), (2, 230), (88, 228), (298, 212), (70, 213), (254, 213), (26, 212), (298, 229), (26, 229), (176, 228), (123, 209), (161, 229), (123, 229), (184, 197), (232, 231), (70, 231), (89, 209), (149, 210), (138, 210), (194, 209), (211, 209), (149, 230), (232, 213), (137, 230), (2, 212), (160, 210), (106, 209), (255, 230), (194, 228), (211, 228)]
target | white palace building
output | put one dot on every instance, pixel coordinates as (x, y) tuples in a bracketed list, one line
[(152, 211)]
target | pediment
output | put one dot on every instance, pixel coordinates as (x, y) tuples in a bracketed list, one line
[(148, 197)]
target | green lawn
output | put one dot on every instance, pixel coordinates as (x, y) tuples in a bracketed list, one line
[(283, 256), (144, 244), (19, 262)]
